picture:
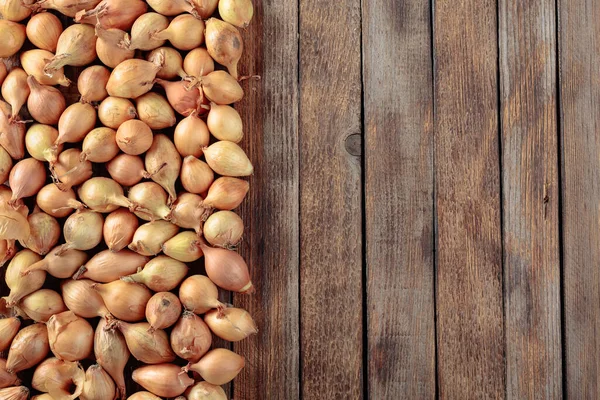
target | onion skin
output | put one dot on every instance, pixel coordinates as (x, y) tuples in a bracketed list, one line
[(4, 72), (205, 391), (62, 267), (228, 159), (113, 111), (163, 162), (71, 337), (99, 145), (188, 212), (9, 327), (185, 32), (224, 44), (69, 170), (8, 249), (57, 378), (190, 338), (92, 83), (13, 224), (199, 294), (6, 165), (76, 47), (173, 66), (34, 61), (165, 380), (184, 247), (237, 12), (57, 203), (20, 286), (14, 393), (224, 229), (111, 353), (196, 175), (126, 301), (152, 198), (98, 385), (227, 269), (183, 99), (26, 179), (221, 88), (127, 170), (12, 37), (231, 324), (155, 111), (143, 396), (43, 30), (103, 195), (45, 103), (29, 347), (66, 7), (119, 228), (133, 78), (75, 123), (134, 137), (82, 231), (42, 304), (39, 140), (83, 300), (225, 123), (108, 266), (15, 91), (14, 10), (113, 13), (219, 366), (12, 134), (163, 310), (191, 136), (44, 233), (160, 274), (150, 346), (7, 379), (198, 63), (142, 31), (149, 238), (108, 49)]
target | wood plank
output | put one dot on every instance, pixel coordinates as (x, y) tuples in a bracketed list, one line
[(330, 200), (530, 199), (579, 58), (270, 213), (398, 109), (470, 332)]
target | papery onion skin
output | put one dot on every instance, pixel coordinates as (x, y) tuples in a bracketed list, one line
[(184, 247), (185, 32), (99, 145), (15, 91), (29, 347), (198, 63), (236, 12), (160, 274), (165, 380), (113, 13), (39, 140), (188, 212), (103, 195), (225, 123), (223, 229), (71, 337), (63, 266), (107, 266), (133, 78), (155, 111), (127, 170), (191, 136), (7, 379), (9, 327), (76, 47), (134, 137), (43, 30), (75, 123), (61, 379), (83, 300), (184, 99), (15, 10), (98, 385), (227, 269), (163, 310), (82, 231), (173, 65), (12, 135), (26, 178), (224, 44), (219, 366), (14, 393), (13, 224), (149, 238), (107, 47), (12, 37), (231, 324), (205, 391), (199, 294), (42, 304), (143, 29), (163, 162), (69, 170), (152, 198), (66, 7), (34, 61), (196, 175), (6, 165), (126, 301), (110, 349), (92, 83), (113, 111), (44, 233), (119, 228), (150, 346), (45, 103), (190, 338), (50, 201), (221, 88), (228, 159), (20, 286)]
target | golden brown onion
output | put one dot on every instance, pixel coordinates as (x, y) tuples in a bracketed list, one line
[(7, 379), (6, 165), (219, 366), (26, 178), (113, 111), (113, 13), (191, 136), (19, 285), (127, 170), (221, 88), (196, 175), (15, 91), (44, 233), (61, 379), (71, 337), (134, 137), (225, 123), (98, 385), (155, 111), (228, 159), (83, 300), (236, 12), (57, 203), (34, 61), (185, 32), (199, 294), (223, 229), (75, 122), (163, 310), (133, 78), (14, 393), (163, 162), (69, 170), (205, 391), (43, 30), (45, 103), (76, 47), (104, 195), (146, 345), (66, 7), (143, 30), (173, 65), (12, 37), (39, 140), (126, 301), (185, 247), (163, 379), (92, 83), (227, 269), (160, 274), (82, 231), (224, 44), (188, 212), (190, 338), (111, 353), (9, 327), (198, 63), (108, 49), (29, 347), (99, 145), (119, 228), (15, 10), (63, 266), (152, 198), (149, 238), (231, 324), (107, 266)]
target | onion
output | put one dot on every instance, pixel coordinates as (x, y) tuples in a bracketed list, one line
[(163, 162), (231, 324), (75, 122), (183, 99), (8, 248), (185, 32), (4, 71), (63, 380), (126, 301), (26, 178), (42, 304), (228, 159), (107, 266), (69, 170), (160, 274), (143, 396), (149, 238), (132, 78), (71, 337), (39, 140), (6, 165), (134, 137), (82, 230), (99, 145), (12, 134), (221, 88), (111, 353), (196, 175), (163, 310), (113, 13), (225, 123), (205, 391), (43, 396), (190, 338), (223, 229), (198, 63), (236, 12), (127, 170), (7, 379), (165, 380), (9, 327), (147, 345), (34, 61), (119, 228), (84, 301), (43, 30), (67, 7), (14, 10), (14, 393), (5, 196), (104, 195), (113, 111), (143, 30), (57, 203), (29, 347), (183, 247), (173, 7), (224, 44), (98, 385), (76, 47), (155, 111), (62, 267), (206, 8), (92, 83), (173, 65), (227, 269), (199, 294), (219, 366), (13, 224), (19, 285), (44, 233), (12, 37), (15, 91), (187, 212), (108, 49), (153, 200)]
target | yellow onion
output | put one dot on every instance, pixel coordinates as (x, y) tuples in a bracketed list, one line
[(92, 83), (219, 366), (83, 300), (227, 269), (45, 103), (133, 78), (69, 170), (236, 12), (228, 159), (134, 137), (7, 379), (71, 337), (199, 294), (82, 231), (4, 71), (111, 353), (44, 233), (8, 249), (126, 301), (12, 133), (113, 111), (150, 346), (26, 178), (42, 304), (143, 30), (163, 310), (19, 285), (224, 44), (149, 238), (63, 380), (39, 140), (152, 200), (143, 396), (29, 347), (76, 47), (113, 13), (196, 175), (14, 393), (60, 266), (163, 162), (9, 327), (190, 338), (98, 385), (43, 396), (185, 32), (231, 324), (184, 247), (198, 63), (206, 8), (155, 111), (15, 91), (43, 30), (174, 7), (13, 224), (108, 46), (185, 100), (66, 7), (99, 145), (119, 227), (205, 391), (6, 165), (15, 10), (107, 266), (34, 61), (164, 380), (160, 274), (221, 88), (173, 65), (127, 170), (225, 123), (223, 229), (57, 203), (188, 212), (104, 195), (75, 122), (12, 37)]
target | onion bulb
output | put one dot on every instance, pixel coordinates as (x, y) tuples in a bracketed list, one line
[(75, 122), (160, 274), (43, 30), (163, 162), (219, 366), (155, 111), (236, 12), (113, 13), (196, 175), (205, 391), (223, 229), (98, 385), (26, 178), (107, 266), (71, 337), (149, 238), (198, 63), (12, 133), (224, 44), (43, 234), (108, 46), (152, 200), (45, 103), (7, 379), (15, 10), (185, 100), (231, 324), (104, 195), (163, 310), (42, 304), (143, 396), (82, 231), (13, 224), (14, 393), (34, 61), (6, 165), (4, 71), (39, 140), (57, 203), (184, 247), (8, 249), (221, 88), (143, 30), (173, 65), (206, 8), (199, 294), (174, 7), (62, 267), (21, 285), (15, 91), (92, 83), (63, 380), (66, 7), (188, 212), (29, 347), (111, 353), (165, 380), (99, 145), (113, 111), (134, 137), (190, 338), (127, 170), (185, 32), (133, 78), (69, 170), (76, 47), (84, 301), (12, 37), (227, 269), (126, 301), (119, 227), (225, 123), (191, 136), (146, 345), (228, 159), (9, 327)]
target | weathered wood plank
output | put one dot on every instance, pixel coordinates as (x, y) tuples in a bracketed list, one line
[(398, 111), (270, 115), (470, 332), (579, 58), (530, 199), (330, 200)]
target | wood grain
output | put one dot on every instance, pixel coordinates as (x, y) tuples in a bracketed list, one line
[(398, 112), (330, 200), (579, 58), (470, 332), (530, 199)]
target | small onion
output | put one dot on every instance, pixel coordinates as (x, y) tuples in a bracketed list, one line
[(119, 228), (29, 347), (57, 203), (236, 12), (75, 122), (45, 103), (196, 175), (62, 266), (127, 170), (134, 137), (4, 71), (133, 78), (84, 301), (198, 63), (228, 159), (221, 88), (149, 238), (12, 37), (69, 170), (9, 327), (6, 165), (12, 133), (43, 30), (163, 310), (8, 249), (185, 32), (44, 233), (185, 100), (224, 44), (191, 136), (113, 13), (98, 385), (42, 304), (147, 345), (185, 247), (188, 212), (143, 30), (225, 123), (66, 7), (39, 140), (113, 111), (14, 10), (153, 200), (71, 337), (99, 145), (111, 353), (61, 379), (7, 379), (173, 65), (107, 266), (126, 301), (15, 91), (76, 47), (34, 61), (160, 274), (104, 195), (92, 83), (163, 162), (155, 111), (82, 231), (108, 49), (14, 393), (173, 7), (206, 8), (165, 380), (231, 324), (21, 285), (143, 396), (26, 178), (190, 338), (199, 294), (13, 224), (223, 229), (227, 269), (205, 391), (219, 366)]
